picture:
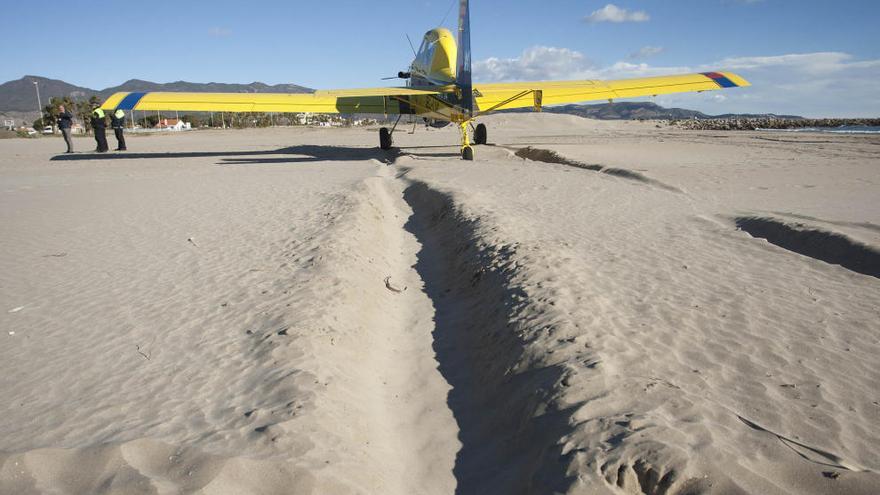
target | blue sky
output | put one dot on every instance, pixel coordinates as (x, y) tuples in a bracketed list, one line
[(811, 57)]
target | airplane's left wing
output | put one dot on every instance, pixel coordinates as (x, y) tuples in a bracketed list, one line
[(349, 101), (499, 96)]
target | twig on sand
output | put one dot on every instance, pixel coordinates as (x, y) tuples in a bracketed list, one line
[(391, 287), (56, 255), (192, 241), (146, 356)]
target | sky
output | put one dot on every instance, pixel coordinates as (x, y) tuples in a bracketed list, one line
[(807, 57)]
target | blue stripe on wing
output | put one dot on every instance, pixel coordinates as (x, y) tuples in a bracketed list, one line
[(130, 101), (720, 79)]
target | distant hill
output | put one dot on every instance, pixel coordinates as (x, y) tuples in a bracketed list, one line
[(188, 87), (646, 111), (20, 95)]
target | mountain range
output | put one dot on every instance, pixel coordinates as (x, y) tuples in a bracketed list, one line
[(627, 110)]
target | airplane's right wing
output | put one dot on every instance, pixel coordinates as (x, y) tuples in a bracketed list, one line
[(500, 96)]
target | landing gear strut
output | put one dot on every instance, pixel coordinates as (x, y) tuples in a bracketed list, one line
[(467, 153)]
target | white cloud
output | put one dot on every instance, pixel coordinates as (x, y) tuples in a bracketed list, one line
[(810, 84), (816, 63), (542, 62), (535, 63), (613, 13), (647, 52)]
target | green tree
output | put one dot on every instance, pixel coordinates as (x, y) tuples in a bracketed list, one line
[(83, 111), (50, 116), (53, 110), (149, 121), (194, 120)]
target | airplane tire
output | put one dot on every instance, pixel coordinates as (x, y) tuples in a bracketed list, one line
[(480, 134), (467, 153), (385, 140)]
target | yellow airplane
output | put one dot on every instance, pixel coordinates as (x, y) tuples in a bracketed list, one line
[(439, 89)]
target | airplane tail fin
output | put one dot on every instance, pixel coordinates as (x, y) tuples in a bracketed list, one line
[(463, 69)]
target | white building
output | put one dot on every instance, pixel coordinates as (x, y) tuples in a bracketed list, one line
[(173, 125)]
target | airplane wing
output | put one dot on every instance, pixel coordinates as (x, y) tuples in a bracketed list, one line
[(488, 97), (491, 97), (372, 100)]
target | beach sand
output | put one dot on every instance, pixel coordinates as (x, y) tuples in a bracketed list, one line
[(589, 307)]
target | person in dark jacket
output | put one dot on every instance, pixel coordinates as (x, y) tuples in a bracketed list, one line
[(99, 126), (65, 122), (117, 122)]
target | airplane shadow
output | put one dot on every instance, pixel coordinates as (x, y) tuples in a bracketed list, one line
[(314, 153), (292, 154)]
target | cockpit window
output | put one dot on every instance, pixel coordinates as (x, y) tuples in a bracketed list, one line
[(426, 53)]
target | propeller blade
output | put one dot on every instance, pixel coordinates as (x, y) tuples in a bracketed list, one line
[(411, 47)]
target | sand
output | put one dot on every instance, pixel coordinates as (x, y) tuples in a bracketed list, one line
[(627, 309)]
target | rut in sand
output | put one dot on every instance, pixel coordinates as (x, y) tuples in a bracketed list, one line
[(402, 437), (441, 390), (510, 394)]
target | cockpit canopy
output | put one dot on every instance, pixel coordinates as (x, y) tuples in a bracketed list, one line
[(436, 59)]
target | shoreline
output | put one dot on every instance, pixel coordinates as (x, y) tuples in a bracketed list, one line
[(770, 123)]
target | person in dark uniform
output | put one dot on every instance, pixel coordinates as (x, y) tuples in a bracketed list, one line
[(65, 122), (99, 125), (117, 122)]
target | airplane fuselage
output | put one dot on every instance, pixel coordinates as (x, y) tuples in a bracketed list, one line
[(434, 67)]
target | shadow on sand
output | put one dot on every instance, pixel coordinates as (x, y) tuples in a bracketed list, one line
[(830, 247), (508, 429), (291, 154)]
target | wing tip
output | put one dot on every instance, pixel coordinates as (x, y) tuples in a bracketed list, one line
[(727, 79), (114, 99), (738, 80)]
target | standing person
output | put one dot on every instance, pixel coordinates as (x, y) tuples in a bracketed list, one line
[(65, 122), (99, 125), (117, 122)]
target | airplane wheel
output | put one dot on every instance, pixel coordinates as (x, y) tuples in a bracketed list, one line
[(467, 153), (480, 134), (385, 138)]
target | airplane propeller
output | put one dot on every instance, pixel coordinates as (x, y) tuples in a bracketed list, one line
[(411, 47), (400, 75)]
